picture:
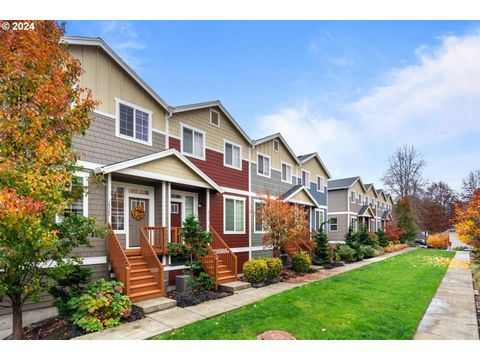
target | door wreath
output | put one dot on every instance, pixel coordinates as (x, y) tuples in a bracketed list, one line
[(138, 212)]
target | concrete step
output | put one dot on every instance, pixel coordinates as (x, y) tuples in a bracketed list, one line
[(145, 295), (233, 286), (156, 304)]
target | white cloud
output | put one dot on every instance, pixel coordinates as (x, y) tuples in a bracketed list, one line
[(432, 102)]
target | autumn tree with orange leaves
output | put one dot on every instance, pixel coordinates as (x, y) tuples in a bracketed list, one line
[(42, 107), (282, 222), (467, 221)]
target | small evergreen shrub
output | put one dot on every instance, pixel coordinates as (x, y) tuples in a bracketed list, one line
[(301, 263), (382, 238), (101, 306), (255, 270), (275, 267), (321, 250), (411, 244), (368, 251), (345, 253)]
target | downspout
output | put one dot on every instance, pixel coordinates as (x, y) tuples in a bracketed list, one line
[(250, 201)]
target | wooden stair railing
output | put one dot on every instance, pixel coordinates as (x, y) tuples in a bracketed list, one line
[(157, 237), (223, 251), (210, 265), (118, 260), (151, 258)]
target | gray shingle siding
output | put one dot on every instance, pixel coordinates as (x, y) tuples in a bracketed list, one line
[(274, 184), (319, 196), (100, 145)]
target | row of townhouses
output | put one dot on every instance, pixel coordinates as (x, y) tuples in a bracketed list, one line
[(147, 165)]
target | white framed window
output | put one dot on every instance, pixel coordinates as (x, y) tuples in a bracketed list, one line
[(319, 219), (306, 178), (133, 122), (353, 197), (320, 184), (118, 208), (263, 165), (359, 199), (333, 224), (276, 145), (378, 205), (174, 208), (373, 203), (214, 118), (232, 156), (193, 142), (79, 205), (286, 173), (367, 200), (234, 215), (257, 222), (353, 224)]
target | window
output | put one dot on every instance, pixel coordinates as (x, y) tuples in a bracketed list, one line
[(189, 206), (263, 165), (193, 142), (118, 207), (214, 118), (306, 178), (234, 215), (319, 219), (232, 156), (333, 224), (352, 196), (320, 184), (133, 122), (367, 200), (353, 224), (258, 206), (79, 205), (174, 208), (373, 203), (275, 145), (287, 173), (359, 199), (378, 204)]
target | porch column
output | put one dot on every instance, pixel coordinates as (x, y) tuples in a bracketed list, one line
[(109, 199), (207, 210), (169, 219), (164, 212)]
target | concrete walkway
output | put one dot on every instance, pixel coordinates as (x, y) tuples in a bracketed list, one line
[(452, 313), (166, 320)]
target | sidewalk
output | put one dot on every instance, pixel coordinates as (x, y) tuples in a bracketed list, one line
[(166, 320), (452, 313)]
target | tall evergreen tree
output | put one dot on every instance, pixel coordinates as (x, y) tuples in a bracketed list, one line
[(405, 218), (322, 249)]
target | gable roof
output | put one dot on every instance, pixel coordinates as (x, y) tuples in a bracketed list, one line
[(91, 41), (295, 190), (307, 157), (119, 166), (387, 215), (364, 209), (280, 137), (381, 192), (369, 186), (209, 104), (344, 183)]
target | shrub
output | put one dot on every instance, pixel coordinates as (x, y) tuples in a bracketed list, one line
[(368, 251), (476, 276), (439, 241), (71, 285), (411, 244), (321, 249), (255, 270), (382, 238), (204, 282), (275, 267), (345, 253), (101, 306), (301, 263), (379, 251)]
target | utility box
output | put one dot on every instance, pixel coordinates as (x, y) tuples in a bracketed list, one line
[(182, 283)]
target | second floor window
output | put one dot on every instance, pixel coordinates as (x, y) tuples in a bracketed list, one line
[(352, 196), (193, 142), (359, 199), (306, 178), (134, 123), (320, 183), (333, 224), (286, 173), (263, 165), (232, 155)]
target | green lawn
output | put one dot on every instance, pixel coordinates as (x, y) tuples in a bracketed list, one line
[(384, 300)]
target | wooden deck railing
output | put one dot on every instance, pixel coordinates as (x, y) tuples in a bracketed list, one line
[(223, 252), (151, 258), (157, 237), (118, 260), (175, 235)]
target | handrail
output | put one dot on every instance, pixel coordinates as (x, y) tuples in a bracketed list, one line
[(157, 237), (118, 260), (210, 264), (223, 251), (153, 263)]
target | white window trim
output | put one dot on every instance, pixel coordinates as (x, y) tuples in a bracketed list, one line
[(119, 101), (238, 198), (353, 197), (256, 201), (225, 142), (319, 211), (182, 126), (275, 141), (269, 165), (322, 190), (330, 225), (307, 172), (214, 111), (359, 200), (356, 223), (291, 172), (84, 176)]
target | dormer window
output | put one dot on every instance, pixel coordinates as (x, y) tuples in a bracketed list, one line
[(276, 145), (133, 122), (214, 118)]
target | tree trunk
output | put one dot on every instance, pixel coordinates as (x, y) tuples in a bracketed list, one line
[(17, 321)]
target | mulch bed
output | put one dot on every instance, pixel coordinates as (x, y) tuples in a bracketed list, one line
[(187, 299), (57, 328)]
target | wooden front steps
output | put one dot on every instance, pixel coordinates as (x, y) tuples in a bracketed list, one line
[(143, 285), (224, 274)]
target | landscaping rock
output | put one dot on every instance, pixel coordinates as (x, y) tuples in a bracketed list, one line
[(275, 335)]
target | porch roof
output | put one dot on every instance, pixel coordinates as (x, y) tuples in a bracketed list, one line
[(366, 211), (299, 194), (387, 215), (168, 165)]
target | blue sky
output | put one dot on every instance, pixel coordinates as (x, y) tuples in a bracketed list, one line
[(351, 90)]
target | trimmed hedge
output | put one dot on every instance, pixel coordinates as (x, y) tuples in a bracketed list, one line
[(301, 263)]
